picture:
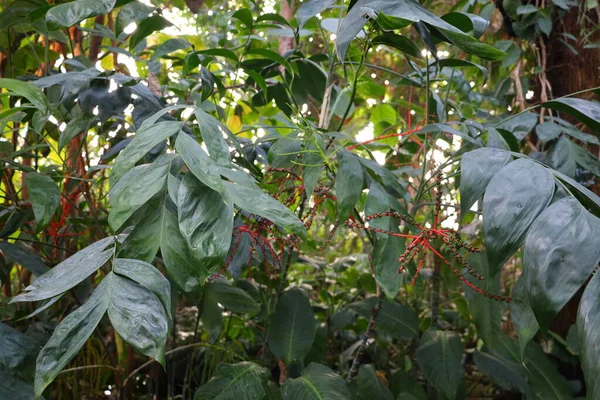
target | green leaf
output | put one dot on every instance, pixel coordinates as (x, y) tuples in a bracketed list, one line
[(292, 327), (507, 374), (526, 9), (566, 155), (68, 14), (383, 113), (402, 382), (451, 62), (467, 22), (147, 276), (522, 315), (514, 198), (520, 125), (398, 42), (439, 357), (369, 386), (348, 183), (395, 319), (17, 353), (394, 14), (585, 111), (138, 316), (232, 298), (242, 381), (546, 381), (70, 336), (547, 131), (211, 314), (213, 133), (74, 127), (198, 162), (137, 187), (561, 252), (11, 387), (205, 221), (25, 257), (145, 139), (169, 46), (317, 382), (146, 27), (131, 12), (44, 195), (68, 273), (310, 8), (29, 91), (588, 327), (477, 168), (257, 202)]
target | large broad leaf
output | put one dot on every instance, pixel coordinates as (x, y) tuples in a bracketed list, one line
[(566, 155), (395, 319), (145, 139), (546, 381), (44, 194), (561, 251), (198, 162), (70, 336), (231, 297), (369, 386), (317, 382), (29, 91), (17, 352), (292, 327), (242, 381), (547, 131), (14, 388), (585, 111), (257, 202), (149, 277), (477, 168), (138, 316), (506, 373), (68, 273), (214, 133), (137, 187), (68, 14), (205, 220), (27, 258), (397, 14), (520, 125), (522, 315), (399, 42), (403, 383), (440, 359), (588, 327), (387, 248), (310, 8), (131, 12), (348, 183), (515, 196)]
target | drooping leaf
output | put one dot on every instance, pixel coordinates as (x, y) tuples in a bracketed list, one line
[(241, 381), (399, 42), (198, 162), (70, 336), (44, 195), (514, 198), (214, 133), (232, 298), (129, 13), (467, 22), (68, 14), (369, 386), (146, 27), (508, 374), (477, 168), (561, 252), (588, 327), (520, 125), (29, 91), (27, 258), (68, 273), (522, 315), (585, 111), (440, 359), (546, 381), (566, 155), (317, 382), (395, 319), (348, 183), (310, 8), (292, 327)]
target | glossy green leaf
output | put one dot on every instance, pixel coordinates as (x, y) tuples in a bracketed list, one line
[(241, 381), (257, 202), (137, 187), (146, 27), (547, 131), (231, 297), (520, 125), (26, 258), (138, 316), (74, 127), (348, 183), (129, 13), (214, 133), (198, 162), (477, 168), (467, 22), (149, 277), (310, 8), (522, 315), (292, 327), (70, 336), (68, 273), (508, 374), (585, 111), (369, 386), (145, 139), (68, 14), (546, 381), (17, 353), (205, 220), (28, 91), (588, 327), (561, 252), (565, 155), (514, 198), (13, 388), (398, 42), (317, 382), (439, 357), (44, 195), (395, 319)]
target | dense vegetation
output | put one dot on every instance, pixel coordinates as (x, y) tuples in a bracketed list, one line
[(327, 199)]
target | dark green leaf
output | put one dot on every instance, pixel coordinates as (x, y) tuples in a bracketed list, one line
[(25, 257), (169, 46), (547, 131), (198, 162), (520, 125), (369, 385), (395, 319), (561, 251), (451, 62), (522, 315), (75, 126), (45, 196), (146, 27), (588, 327), (585, 111), (440, 359), (232, 298), (467, 22), (477, 168), (508, 374), (348, 183), (213, 134), (242, 381), (131, 12), (317, 382), (514, 198), (399, 42), (14, 388), (17, 353), (310, 8), (403, 383), (68, 14), (566, 155), (211, 314), (29, 91), (546, 381), (292, 327)]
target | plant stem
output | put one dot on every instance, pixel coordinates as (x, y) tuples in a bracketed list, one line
[(435, 294)]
